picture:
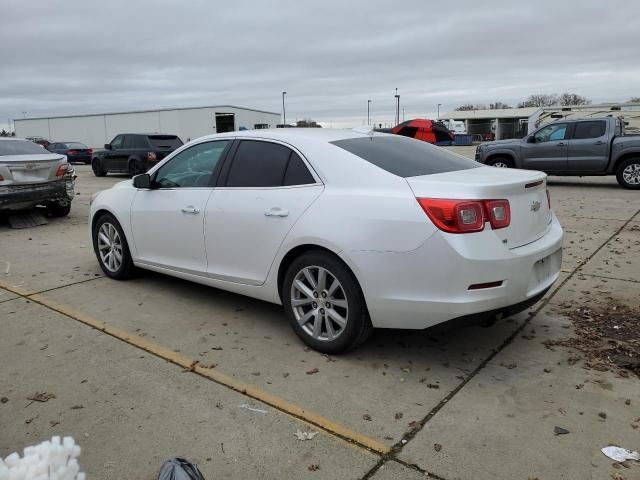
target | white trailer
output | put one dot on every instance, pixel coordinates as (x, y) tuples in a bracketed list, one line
[(94, 130)]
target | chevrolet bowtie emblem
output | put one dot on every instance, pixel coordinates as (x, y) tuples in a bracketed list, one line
[(535, 206)]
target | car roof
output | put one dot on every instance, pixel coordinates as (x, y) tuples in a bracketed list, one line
[(325, 135), (149, 134)]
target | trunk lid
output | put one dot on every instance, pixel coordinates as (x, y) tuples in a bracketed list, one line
[(524, 189), (26, 169)]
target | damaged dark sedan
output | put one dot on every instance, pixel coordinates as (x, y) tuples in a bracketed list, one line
[(31, 176)]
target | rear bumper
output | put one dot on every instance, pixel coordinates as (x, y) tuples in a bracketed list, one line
[(430, 285), (19, 197)]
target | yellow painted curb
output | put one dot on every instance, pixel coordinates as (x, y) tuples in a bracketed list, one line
[(209, 373)]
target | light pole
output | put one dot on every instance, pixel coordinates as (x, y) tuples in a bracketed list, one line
[(284, 112), (368, 112), (439, 105), (24, 114), (397, 107)]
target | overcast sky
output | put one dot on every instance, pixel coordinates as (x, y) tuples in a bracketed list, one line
[(79, 56)]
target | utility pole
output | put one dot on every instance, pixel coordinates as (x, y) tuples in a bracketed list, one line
[(284, 112), (403, 114), (368, 112)]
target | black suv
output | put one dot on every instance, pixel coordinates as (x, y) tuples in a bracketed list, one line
[(133, 153)]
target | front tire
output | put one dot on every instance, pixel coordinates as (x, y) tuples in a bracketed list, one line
[(111, 248), (628, 173), (324, 303), (500, 162), (98, 171)]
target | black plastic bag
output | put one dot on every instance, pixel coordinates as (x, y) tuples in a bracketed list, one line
[(179, 469)]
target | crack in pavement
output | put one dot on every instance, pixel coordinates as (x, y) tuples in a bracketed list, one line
[(396, 449)]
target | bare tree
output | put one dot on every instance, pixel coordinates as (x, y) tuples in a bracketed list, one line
[(469, 106), (573, 99), (307, 123), (634, 100), (540, 100), (498, 105)]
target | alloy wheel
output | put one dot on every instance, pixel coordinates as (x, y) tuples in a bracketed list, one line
[(319, 303), (110, 247), (631, 174), (499, 164)]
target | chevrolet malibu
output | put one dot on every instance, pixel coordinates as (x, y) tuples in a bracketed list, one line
[(347, 229)]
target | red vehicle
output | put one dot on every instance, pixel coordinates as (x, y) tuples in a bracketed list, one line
[(425, 130)]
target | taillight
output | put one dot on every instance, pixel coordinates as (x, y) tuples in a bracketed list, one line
[(466, 216), (548, 199), (71, 152), (62, 169), (454, 216), (1, 178), (89, 151), (152, 156), (499, 213)]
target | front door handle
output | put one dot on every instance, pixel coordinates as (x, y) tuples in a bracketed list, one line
[(276, 212), (599, 142), (560, 144), (191, 210)]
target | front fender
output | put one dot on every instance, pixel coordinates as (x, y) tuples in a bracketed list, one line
[(116, 201), (503, 152)]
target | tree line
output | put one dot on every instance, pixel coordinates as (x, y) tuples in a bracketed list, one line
[(4, 133), (538, 100)]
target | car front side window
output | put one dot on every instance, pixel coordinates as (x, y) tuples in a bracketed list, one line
[(191, 168), (551, 133), (117, 142)]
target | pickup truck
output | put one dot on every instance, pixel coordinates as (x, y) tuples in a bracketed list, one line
[(133, 153), (584, 147)]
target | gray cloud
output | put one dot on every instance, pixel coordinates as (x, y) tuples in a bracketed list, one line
[(75, 56)]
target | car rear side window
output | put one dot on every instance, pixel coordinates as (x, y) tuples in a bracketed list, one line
[(405, 157), (593, 129), (297, 172), (165, 141), (20, 147), (258, 164)]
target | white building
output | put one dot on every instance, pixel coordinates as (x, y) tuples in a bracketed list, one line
[(95, 130), (517, 122)]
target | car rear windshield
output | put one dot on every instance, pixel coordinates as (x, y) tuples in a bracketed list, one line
[(20, 147), (76, 145), (405, 157), (165, 141)]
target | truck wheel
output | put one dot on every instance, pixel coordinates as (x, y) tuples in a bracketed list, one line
[(500, 162), (628, 173), (97, 168)]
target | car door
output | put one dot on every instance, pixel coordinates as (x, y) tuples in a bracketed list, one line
[(167, 220), (548, 150), (589, 147), (111, 156), (266, 187)]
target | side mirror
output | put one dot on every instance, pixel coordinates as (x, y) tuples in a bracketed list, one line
[(142, 181), (531, 139), (107, 146)]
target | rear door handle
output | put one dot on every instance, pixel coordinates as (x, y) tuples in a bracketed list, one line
[(560, 144), (191, 210), (276, 212)]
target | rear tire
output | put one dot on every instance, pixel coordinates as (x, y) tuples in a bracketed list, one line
[(500, 162), (628, 173), (55, 209), (133, 168), (111, 248), (330, 317), (98, 171)]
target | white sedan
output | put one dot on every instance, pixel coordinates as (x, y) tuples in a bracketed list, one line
[(349, 230)]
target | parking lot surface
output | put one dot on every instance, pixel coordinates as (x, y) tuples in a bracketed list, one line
[(156, 367)]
